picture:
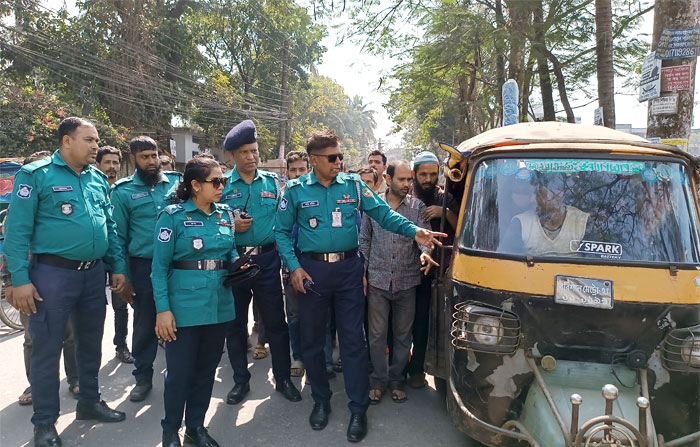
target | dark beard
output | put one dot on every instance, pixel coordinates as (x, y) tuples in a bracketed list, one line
[(148, 178), (427, 197)]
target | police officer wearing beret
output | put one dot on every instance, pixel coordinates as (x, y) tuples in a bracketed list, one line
[(138, 200), (64, 195), (194, 244), (324, 204), (253, 194)]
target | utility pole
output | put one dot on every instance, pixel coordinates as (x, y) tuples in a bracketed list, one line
[(285, 99), (604, 61), (677, 15)]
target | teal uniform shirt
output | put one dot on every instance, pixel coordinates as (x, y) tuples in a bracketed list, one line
[(56, 211), (262, 205), (184, 233), (311, 205), (136, 208)]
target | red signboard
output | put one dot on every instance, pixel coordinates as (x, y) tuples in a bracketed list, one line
[(675, 78)]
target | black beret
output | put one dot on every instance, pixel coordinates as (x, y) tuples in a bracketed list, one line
[(242, 133)]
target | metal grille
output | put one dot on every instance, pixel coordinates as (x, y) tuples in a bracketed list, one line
[(484, 328), (680, 350)]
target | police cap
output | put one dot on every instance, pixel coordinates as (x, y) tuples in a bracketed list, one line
[(242, 133)]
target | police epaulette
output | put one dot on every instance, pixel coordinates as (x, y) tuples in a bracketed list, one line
[(293, 182), (223, 206), (268, 173), (175, 173), (123, 180), (352, 176), (172, 209), (94, 169), (33, 166)]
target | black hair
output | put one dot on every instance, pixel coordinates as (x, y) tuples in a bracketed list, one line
[(320, 140), (392, 166), (378, 152), (142, 143), (107, 150), (35, 156), (295, 156), (198, 168), (68, 126), (369, 170)]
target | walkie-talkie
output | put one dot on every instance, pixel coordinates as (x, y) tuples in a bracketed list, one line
[(244, 214)]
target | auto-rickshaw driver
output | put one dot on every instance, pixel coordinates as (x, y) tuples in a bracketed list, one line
[(549, 228)]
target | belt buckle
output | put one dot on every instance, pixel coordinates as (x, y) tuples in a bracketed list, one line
[(334, 257), (80, 266), (255, 251), (210, 264)]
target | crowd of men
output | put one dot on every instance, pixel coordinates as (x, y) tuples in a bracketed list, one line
[(338, 255)]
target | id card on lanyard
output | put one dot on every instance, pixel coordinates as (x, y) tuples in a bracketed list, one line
[(337, 218)]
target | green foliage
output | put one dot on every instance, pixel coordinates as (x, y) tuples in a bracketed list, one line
[(31, 116)]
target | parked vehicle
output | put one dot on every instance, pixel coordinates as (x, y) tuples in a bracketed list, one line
[(570, 314)]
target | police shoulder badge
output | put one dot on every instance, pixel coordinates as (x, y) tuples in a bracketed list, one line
[(24, 191), (366, 192), (66, 208), (197, 243), (164, 234), (313, 222), (283, 204)]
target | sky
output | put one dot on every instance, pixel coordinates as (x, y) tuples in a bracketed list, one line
[(359, 73)]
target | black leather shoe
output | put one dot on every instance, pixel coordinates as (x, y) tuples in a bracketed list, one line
[(319, 416), (288, 390), (200, 437), (237, 393), (171, 439), (99, 411), (140, 391), (357, 428), (46, 436), (124, 355)]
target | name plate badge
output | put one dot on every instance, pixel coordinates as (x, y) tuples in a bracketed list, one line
[(585, 292)]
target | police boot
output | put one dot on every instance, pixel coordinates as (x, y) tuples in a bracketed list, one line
[(200, 437), (171, 439), (357, 428), (288, 390), (319, 415), (98, 411), (46, 436)]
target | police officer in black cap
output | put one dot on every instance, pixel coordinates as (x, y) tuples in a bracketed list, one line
[(254, 194)]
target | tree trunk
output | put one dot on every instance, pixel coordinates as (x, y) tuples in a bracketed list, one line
[(604, 61), (561, 85), (519, 20), (675, 14), (284, 93), (500, 62), (542, 65)]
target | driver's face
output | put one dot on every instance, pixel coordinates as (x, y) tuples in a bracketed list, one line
[(548, 201)]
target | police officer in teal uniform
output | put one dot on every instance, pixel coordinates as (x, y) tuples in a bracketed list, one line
[(137, 201), (61, 213), (253, 195), (194, 244), (324, 204)]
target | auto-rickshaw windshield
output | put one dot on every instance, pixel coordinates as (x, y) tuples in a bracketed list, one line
[(600, 209)]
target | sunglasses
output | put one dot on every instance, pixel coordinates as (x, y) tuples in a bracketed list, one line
[(217, 181), (331, 157)]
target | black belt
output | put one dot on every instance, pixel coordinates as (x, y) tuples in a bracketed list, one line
[(60, 261), (331, 257), (256, 249), (204, 264)]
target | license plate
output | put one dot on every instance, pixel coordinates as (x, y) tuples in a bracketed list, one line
[(586, 292)]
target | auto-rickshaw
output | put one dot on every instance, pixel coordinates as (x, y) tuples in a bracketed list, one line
[(570, 312)]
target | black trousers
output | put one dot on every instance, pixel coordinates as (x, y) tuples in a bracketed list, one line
[(421, 322), (338, 284), (192, 360), (267, 288), (144, 345)]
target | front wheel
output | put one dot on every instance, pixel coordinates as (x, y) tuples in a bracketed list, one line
[(8, 314)]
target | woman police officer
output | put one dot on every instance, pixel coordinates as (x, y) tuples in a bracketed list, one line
[(193, 248)]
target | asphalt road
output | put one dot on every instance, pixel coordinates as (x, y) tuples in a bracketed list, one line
[(264, 419)]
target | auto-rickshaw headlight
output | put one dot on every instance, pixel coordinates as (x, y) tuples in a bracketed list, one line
[(680, 350), (690, 351), (484, 328), (487, 330)]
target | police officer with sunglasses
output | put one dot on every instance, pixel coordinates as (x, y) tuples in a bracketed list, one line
[(324, 204), (253, 194)]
